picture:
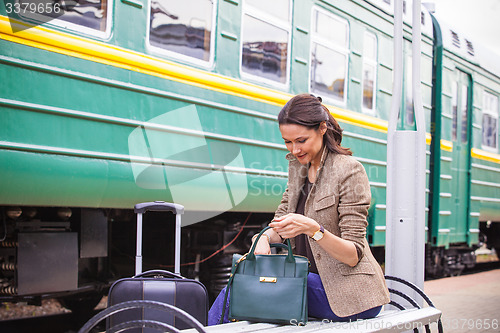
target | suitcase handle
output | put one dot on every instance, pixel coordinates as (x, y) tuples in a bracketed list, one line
[(159, 272), (159, 206)]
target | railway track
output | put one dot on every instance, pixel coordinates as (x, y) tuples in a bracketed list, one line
[(54, 323), (482, 267)]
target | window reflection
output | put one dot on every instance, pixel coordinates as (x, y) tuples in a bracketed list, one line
[(369, 71), (409, 107), (328, 72), (264, 51), (490, 131), (465, 111), (329, 56), (183, 27), (368, 86), (264, 56), (91, 14), (454, 111), (490, 121)]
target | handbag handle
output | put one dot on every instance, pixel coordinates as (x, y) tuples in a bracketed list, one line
[(279, 245), (251, 254)]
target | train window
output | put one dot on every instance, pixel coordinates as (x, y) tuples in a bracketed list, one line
[(454, 110), (464, 111), (330, 28), (90, 17), (329, 55), (183, 28), (369, 71), (264, 50), (490, 122)]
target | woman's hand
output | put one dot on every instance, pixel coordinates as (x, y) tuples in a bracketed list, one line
[(291, 225)]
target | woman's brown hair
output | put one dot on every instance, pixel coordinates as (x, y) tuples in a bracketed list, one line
[(307, 110)]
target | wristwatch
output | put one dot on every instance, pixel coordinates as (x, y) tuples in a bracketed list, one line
[(319, 234)]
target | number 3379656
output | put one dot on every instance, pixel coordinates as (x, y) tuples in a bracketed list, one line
[(32, 7)]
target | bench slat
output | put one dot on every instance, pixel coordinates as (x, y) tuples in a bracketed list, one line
[(400, 321), (386, 321)]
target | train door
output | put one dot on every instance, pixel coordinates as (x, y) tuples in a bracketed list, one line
[(460, 168)]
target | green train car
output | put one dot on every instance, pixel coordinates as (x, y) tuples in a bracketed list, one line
[(104, 104)]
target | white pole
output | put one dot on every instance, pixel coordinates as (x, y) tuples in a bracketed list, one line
[(405, 215), (419, 271), (138, 253)]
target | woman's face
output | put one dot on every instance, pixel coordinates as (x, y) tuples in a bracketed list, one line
[(304, 143)]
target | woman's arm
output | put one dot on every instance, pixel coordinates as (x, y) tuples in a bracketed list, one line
[(354, 199), (263, 244), (264, 241)]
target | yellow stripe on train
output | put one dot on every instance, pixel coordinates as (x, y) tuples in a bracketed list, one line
[(485, 155), (103, 53), (100, 52)]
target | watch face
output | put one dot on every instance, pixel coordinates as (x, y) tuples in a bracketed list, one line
[(317, 236)]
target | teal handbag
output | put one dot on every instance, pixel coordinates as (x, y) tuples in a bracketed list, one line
[(268, 288)]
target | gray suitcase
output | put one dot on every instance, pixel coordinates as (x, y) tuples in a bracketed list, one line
[(157, 285)]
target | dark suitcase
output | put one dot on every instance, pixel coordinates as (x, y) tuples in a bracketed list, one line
[(157, 285)]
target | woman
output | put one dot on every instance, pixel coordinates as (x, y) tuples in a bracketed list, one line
[(324, 212)]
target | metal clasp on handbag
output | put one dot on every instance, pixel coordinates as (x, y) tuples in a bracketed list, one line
[(268, 279)]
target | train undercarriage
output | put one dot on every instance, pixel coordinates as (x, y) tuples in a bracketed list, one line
[(441, 262), (75, 254)]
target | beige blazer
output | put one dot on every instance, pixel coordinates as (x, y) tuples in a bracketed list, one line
[(339, 200)]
